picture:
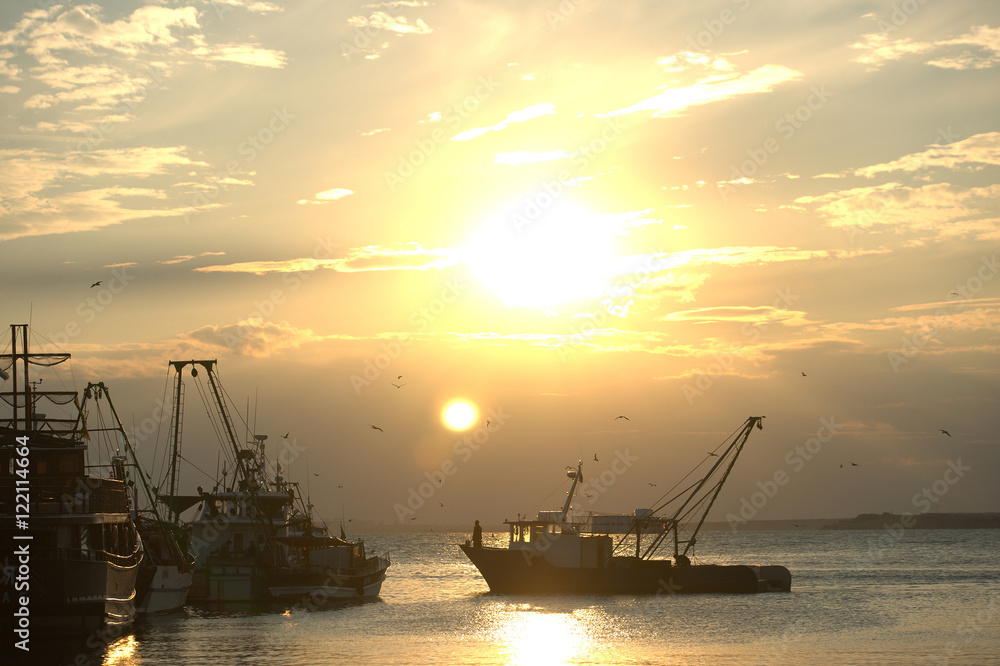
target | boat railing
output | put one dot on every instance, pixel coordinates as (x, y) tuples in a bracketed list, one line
[(58, 495)]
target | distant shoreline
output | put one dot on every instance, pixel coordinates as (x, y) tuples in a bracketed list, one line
[(864, 521)]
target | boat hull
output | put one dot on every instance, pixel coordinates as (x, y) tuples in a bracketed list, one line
[(320, 585), (165, 590), (518, 571)]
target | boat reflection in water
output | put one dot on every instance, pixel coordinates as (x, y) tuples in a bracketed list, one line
[(562, 553)]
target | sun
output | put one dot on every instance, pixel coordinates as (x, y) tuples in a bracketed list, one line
[(459, 414), (543, 257)]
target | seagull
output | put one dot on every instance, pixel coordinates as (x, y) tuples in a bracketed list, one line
[(620, 417), (946, 432), (399, 376), (439, 503), (803, 374), (652, 484), (588, 494), (595, 458), (285, 436), (375, 427), (413, 518), (854, 464), (398, 385), (713, 454), (340, 486), (96, 284), (488, 422)]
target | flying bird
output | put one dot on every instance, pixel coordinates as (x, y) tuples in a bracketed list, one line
[(946, 432), (96, 284), (375, 427), (488, 422), (399, 376), (595, 458), (439, 503), (621, 417), (803, 374), (398, 385), (854, 464), (652, 484), (285, 436), (340, 486), (713, 454)]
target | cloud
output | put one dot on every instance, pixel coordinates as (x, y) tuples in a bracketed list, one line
[(370, 258), (327, 196), (713, 88), (519, 116), (977, 49), (252, 55), (188, 257), (380, 20), (254, 338), (974, 152), (741, 313), (941, 208)]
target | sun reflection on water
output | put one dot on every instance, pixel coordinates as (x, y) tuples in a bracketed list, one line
[(529, 636), (121, 652)]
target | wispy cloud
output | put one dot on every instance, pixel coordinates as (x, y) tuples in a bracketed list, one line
[(519, 116), (327, 196), (977, 49), (410, 256), (712, 88)]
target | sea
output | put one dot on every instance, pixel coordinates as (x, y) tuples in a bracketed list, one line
[(889, 596)]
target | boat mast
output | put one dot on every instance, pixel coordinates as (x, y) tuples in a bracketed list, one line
[(693, 500), (97, 389), (576, 475)]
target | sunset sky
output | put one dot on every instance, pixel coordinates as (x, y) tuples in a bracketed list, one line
[(562, 212)]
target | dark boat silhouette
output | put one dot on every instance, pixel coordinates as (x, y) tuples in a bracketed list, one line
[(556, 553)]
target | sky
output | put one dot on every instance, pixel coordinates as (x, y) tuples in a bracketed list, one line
[(562, 213)]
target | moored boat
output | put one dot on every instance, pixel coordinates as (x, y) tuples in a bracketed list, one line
[(560, 553), (67, 533), (253, 535)]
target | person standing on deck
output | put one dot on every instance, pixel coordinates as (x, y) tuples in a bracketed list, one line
[(477, 536)]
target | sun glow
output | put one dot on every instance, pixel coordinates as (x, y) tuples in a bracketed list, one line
[(540, 258), (459, 414)]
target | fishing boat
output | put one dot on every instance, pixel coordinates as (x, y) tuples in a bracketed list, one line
[(253, 535), (166, 569), (69, 548), (559, 552)]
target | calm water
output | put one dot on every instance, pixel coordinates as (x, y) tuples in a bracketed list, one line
[(864, 597)]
